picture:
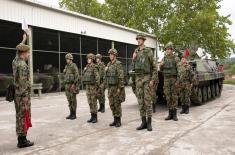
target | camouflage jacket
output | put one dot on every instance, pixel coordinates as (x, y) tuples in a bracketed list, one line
[(71, 74), (185, 73), (146, 62), (170, 66), (21, 77), (91, 71), (101, 69)]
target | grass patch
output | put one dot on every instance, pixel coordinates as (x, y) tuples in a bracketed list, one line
[(229, 82)]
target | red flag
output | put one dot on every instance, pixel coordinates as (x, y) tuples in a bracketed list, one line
[(27, 121), (186, 53)]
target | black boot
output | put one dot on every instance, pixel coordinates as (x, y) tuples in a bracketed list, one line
[(175, 115), (183, 109), (90, 120), (94, 118), (186, 109), (143, 124), (73, 116), (154, 107), (68, 117), (114, 122), (102, 108), (170, 116), (149, 124), (118, 123), (23, 142)]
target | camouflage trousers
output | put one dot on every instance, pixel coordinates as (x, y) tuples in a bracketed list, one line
[(91, 93), (144, 96), (184, 93), (114, 101), (71, 97), (101, 93), (154, 94), (20, 108), (171, 92)]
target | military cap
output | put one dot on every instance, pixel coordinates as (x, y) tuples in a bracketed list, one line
[(113, 51), (98, 56), (22, 47), (169, 45), (140, 36), (91, 56), (69, 56)]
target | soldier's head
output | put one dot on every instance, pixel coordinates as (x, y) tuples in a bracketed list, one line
[(140, 37), (90, 58), (98, 58), (69, 58), (169, 48), (112, 54), (23, 51), (184, 60)]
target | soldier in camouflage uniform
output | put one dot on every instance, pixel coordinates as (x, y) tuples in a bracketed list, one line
[(22, 94), (186, 78), (115, 83), (170, 69), (146, 79), (72, 82), (101, 90), (91, 79)]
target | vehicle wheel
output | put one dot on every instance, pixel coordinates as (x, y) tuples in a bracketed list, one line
[(213, 90), (199, 96), (217, 91), (209, 92), (204, 94)]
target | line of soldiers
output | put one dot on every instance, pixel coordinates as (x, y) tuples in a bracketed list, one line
[(97, 77)]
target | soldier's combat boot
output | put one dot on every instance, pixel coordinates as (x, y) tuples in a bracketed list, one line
[(143, 124), (102, 108), (94, 120), (90, 120), (118, 123), (73, 116), (175, 115), (186, 109), (114, 121), (68, 117), (183, 109), (23, 142), (154, 107), (149, 124), (170, 115)]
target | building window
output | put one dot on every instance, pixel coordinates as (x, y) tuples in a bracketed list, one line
[(104, 46), (69, 42), (130, 50), (89, 45), (121, 48)]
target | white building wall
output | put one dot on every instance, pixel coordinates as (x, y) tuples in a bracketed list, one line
[(58, 19)]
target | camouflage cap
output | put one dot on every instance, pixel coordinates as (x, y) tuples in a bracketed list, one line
[(22, 47), (69, 56), (169, 45), (113, 51), (91, 56), (140, 36), (98, 56)]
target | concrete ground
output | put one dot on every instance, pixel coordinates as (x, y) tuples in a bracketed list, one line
[(208, 129)]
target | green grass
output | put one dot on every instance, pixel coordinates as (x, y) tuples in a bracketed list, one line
[(229, 82)]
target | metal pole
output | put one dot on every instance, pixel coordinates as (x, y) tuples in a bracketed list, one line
[(30, 43)]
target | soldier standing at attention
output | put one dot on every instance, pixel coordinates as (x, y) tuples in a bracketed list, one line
[(72, 82), (169, 67), (115, 83), (101, 90), (145, 69), (22, 94), (186, 77), (91, 79)]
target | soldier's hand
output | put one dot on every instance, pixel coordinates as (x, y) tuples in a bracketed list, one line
[(134, 55), (151, 83), (25, 100), (72, 88), (118, 90), (162, 63)]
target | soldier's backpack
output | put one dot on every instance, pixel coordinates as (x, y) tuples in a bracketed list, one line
[(10, 92)]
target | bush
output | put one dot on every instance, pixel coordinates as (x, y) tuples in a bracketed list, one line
[(229, 82)]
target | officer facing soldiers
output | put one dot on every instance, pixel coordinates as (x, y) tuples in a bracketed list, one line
[(145, 69), (169, 67), (186, 79), (22, 94), (72, 82), (101, 89), (115, 83), (91, 79)]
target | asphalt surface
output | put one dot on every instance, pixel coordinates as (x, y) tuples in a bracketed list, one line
[(208, 129)]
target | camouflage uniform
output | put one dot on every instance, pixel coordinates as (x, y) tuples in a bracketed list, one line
[(71, 78), (145, 69), (91, 79), (170, 70), (185, 76), (22, 89), (116, 91), (101, 88)]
